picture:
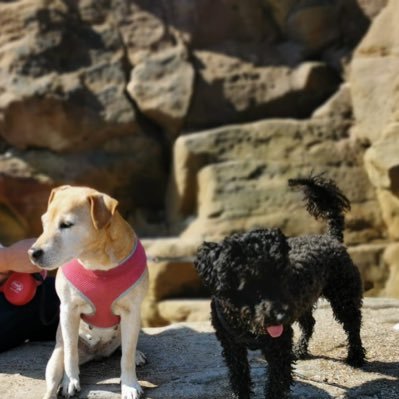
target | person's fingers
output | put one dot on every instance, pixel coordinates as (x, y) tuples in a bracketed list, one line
[(25, 268), (32, 269)]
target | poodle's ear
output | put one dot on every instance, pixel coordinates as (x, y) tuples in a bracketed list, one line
[(215, 266), (205, 264)]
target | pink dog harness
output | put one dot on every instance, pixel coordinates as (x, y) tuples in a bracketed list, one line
[(103, 288)]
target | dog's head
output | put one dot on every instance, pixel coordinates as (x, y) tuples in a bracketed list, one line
[(74, 218), (247, 273)]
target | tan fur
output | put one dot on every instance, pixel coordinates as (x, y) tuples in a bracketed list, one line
[(82, 223)]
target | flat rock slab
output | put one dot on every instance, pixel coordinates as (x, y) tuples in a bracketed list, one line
[(185, 363)]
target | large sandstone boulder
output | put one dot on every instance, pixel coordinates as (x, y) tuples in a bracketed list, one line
[(172, 275), (374, 82), (62, 74), (373, 266), (391, 257), (162, 87), (382, 166), (373, 76), (230, 90), (143, 26), (235, 178)]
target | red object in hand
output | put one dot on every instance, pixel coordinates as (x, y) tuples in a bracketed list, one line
[(20, 288)]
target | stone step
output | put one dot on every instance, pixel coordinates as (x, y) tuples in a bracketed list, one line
[(178, 310)]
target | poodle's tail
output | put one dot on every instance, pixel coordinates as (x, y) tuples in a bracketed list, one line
[(324, 200)]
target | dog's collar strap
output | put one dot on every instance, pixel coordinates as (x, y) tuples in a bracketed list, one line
[(103, 288)]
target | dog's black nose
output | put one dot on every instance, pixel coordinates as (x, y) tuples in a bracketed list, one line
[(279, 317), (35, 254)]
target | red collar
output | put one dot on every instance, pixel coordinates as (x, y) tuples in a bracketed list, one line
[(102, 288)]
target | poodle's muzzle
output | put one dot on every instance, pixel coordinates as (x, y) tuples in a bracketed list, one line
[(266, 316)]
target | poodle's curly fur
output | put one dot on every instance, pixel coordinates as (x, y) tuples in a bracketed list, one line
[(262, 282)]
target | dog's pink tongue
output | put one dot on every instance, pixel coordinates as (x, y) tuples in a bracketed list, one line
[(275, 331)]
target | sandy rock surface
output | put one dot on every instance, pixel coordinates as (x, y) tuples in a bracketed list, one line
[(185, 362)]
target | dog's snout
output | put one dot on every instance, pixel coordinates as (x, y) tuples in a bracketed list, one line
[(279, 317), (35, 253)]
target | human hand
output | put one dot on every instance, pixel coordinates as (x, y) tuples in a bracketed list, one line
[(15, 257)]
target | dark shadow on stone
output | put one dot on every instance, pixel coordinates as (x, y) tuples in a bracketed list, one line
[(210, 108), (382, 388), (72, 40), (386, 368)]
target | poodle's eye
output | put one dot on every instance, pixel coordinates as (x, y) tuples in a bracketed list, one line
[(65, 225)]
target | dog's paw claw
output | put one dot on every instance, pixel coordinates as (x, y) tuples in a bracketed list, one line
[(141, 359), (131, 392)]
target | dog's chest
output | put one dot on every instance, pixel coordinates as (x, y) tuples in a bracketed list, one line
[(103, 288), (99, 340)]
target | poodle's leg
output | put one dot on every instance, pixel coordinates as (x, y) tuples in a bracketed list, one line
[(236, 358), (346, 302), (280, 361), (237, 362), (306, 324), (349, 314)]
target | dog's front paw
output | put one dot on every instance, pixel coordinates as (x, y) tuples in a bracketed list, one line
[(131, 392), (140, 358), (70, 386), (356, 360)]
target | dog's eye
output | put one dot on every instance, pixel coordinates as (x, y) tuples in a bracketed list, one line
[(65, 225)]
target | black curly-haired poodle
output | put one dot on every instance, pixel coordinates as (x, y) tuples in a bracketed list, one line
[(262, 282)]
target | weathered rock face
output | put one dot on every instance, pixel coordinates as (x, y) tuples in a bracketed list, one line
[(240, 176), (374, 84), (373, 76), (108, 93), (240, 92), (391, 258), (162, 86), (234, 178), (63, 74), (172, 275), (382, 165)]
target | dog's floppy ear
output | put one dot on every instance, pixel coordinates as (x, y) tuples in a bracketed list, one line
[(102, 208), (204, 264), (212, 264), (54, 191)]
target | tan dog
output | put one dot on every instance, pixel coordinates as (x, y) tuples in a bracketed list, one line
[(81, 223)]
